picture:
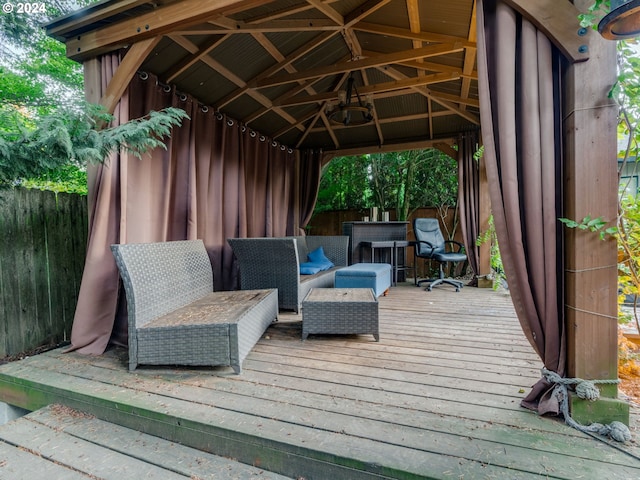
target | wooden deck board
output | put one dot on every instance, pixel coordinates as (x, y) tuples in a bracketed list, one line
[(65, 443), (438, 397)]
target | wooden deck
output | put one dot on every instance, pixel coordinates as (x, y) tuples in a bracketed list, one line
[(438, 397)]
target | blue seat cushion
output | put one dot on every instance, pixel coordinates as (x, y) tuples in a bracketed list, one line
[(364, 269), (376, 276)]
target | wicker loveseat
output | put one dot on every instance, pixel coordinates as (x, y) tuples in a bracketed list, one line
[(275, 263), (175, 317)]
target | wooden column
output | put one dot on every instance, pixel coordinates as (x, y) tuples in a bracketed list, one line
[(591, 189), (484, 251), (92, 82)]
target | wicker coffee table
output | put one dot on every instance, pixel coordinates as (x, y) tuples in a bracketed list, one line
[(340, 311)]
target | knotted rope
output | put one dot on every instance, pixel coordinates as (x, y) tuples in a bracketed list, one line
[(585, 389)]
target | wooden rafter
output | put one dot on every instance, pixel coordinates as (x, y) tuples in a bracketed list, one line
[(411, 35), (373, 89), (559, 21), (125, 72), (298, 53), (209, 31), (428, 94), (161, 21), (327, 10), (203, 50), (384, 59), (469, 58)]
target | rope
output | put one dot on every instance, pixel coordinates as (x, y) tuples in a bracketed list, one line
[(587, 390)]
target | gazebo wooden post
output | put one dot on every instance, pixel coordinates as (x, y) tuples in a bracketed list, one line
[(92, 83), (484, 250), (590, 182)]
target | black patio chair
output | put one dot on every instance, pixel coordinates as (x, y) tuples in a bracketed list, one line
[(431, 245)]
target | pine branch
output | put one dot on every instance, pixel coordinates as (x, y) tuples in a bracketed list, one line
[(70, 137)]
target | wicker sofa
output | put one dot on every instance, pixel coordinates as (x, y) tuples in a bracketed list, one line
[(175, 317), (275, 263)]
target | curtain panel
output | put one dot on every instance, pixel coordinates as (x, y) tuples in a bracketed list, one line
[(217, 179), (469, 199), (518, 77), (310, 175)]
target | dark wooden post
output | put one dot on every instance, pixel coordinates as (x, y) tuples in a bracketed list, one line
[(591, 263)]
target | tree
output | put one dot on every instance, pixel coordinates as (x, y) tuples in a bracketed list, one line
[(412, 179), (47, 133), (403, 181), (35, 73), (345, 185)]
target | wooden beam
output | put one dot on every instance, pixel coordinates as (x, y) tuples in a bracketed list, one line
[(363, 11), (125, 72), (292, 57), (425, 65), (384, 59), (285, 12), (469, 56), (203, 50), (410, 35), (393, 73), (391, 147), (158, 22), (91, 14), (373, 89), (558, 19), (276, 26), (327, 10), (92, 80), (447, 149), (455, 99)]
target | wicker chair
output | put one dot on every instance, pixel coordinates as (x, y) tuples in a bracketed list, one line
[(275, 263)]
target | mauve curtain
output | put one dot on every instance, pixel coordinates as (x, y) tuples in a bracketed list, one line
[(98, 296), (216, 180), (518, 79), (310, 173), (468, 199)]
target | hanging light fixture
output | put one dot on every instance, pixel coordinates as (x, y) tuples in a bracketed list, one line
[(623, 21), (351, 109)]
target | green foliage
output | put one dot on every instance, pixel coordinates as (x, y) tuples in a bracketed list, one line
[(628, 236), (345, 185), (34, 70), (498, 276), (402, 181), (65, 179), (596, 11), (32, 148), (598, 225)]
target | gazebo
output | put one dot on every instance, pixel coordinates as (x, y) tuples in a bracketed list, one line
[(276, 88)]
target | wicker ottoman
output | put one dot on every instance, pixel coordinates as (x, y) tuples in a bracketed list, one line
[(340, 310), (376, 276)]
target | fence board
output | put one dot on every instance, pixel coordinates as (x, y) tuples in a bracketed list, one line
[(42, 250)]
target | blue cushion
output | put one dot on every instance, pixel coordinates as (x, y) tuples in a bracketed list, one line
[(309, 268), (318, 257)]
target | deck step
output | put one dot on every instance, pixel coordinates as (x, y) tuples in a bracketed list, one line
[(70, 445)]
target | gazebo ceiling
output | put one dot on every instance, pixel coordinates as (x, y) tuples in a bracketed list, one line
[(277, 66)]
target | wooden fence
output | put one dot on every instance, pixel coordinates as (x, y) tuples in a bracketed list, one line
[(43, 240)]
